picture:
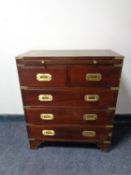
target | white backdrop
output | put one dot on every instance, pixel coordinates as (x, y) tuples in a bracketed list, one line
[(62, 24)]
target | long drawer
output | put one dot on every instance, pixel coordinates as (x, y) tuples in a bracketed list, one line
[(50, 116), (88, 97), (68, 132)]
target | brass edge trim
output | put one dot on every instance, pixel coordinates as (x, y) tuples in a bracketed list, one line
[(112, 108), (118, 65), (109, 126), (114, 88), (24, 87), (107, 142)]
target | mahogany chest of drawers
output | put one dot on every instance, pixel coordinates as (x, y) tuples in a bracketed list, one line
[(69, 95)]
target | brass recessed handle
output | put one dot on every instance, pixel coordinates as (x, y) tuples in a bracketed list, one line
[(46, 116), (48, 132), (43, 77), (91, 97), (88, 133), (90, 117), (93, 76), (45, 97)]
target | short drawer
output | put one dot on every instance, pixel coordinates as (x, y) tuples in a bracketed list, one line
[(68, 132), (103, 76), (89, 97), (46, 76), (47, 116)]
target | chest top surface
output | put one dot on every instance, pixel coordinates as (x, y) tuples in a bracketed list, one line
[(69, 53)]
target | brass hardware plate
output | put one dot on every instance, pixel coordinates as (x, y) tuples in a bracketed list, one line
[(24, 87), (107, 142), (111, 108), (109, 126), (48, 132), (118, 65), (19, 57), (90, 117), (88, 133), (46, 116), (45, 97), (20, 65), (114, 88), (29, 124), (44, 77), (91, 98), (93, 77), (27, 107), (119, 58)]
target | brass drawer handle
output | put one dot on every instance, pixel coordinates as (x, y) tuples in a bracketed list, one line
[(44, 77), (48, 132), (45, 97), (90, 117), (88, 133), (91, 98), (46, 116), (93, 77)]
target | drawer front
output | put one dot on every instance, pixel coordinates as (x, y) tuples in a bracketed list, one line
[(42, 76), (64, 132), (46, 116), (105, 76), (91, 97)]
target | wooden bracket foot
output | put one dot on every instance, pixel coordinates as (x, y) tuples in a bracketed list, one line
[(34, 144)]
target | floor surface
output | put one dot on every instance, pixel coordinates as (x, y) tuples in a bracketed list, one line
[(60, 159)]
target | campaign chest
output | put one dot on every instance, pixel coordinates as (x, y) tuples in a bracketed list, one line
[(69, 95)]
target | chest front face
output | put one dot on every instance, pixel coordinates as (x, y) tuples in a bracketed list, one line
[(69, 96)]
